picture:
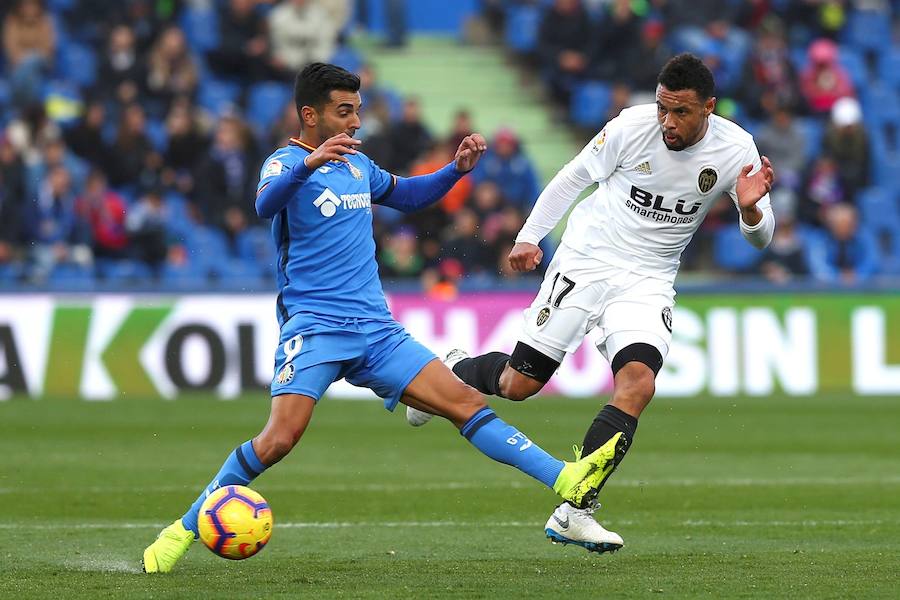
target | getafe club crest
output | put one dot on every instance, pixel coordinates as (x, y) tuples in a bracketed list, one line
[(667, 318), (543, 316), (707, 179), (286, 374)]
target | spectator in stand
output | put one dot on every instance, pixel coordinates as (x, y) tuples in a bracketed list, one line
[(104, 211), (461, 240), (614, 50), (410, 138), (228, 175), (563, 39), (172, 70), (648, 58), (30, 132), (12, 194), (400, 257), (769, 80), (243, 49), (187, 141), (850, 254), (461, 127), (122, 66), (822, 189), (55, 154), (29, 43), (86, 138), (147, 225), (438, 156), (784, 143), (287, 127), (784, 259), (847, 142), (56, 233), (506, 164), (130, 149), (824, 81), (301, 32)]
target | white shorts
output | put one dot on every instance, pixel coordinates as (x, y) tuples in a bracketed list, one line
[(578, 295)]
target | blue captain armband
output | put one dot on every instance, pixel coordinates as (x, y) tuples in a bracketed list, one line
[(412, 193), (275, 195)]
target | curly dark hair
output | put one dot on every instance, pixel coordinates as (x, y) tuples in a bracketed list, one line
[(687, 72)]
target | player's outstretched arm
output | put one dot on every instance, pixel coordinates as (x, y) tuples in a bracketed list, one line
[(274, 196), (551, 206), (413, 193)]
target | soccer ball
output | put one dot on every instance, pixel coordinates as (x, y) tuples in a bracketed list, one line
[(235, 522)]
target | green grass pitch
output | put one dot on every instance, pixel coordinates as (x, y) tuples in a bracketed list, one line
[(722, 498)]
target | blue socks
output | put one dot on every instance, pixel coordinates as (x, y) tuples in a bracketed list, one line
[(504, 443), (241, 467)]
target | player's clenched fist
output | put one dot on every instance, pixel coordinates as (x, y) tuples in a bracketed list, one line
[(525, 257), (469, 151), (334, 148)]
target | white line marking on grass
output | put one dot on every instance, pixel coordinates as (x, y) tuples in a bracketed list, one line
[(434, 524), (486, 485)]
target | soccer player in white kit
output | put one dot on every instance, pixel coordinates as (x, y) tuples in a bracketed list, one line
[(660, 168)]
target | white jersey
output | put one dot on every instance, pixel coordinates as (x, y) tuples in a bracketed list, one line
[(650, 200)]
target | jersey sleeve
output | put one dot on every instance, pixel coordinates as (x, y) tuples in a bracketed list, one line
[(759, 235), (603, 154), (280, 161), (381, 183)]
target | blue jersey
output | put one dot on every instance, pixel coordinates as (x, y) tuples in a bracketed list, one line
[(326, 250)]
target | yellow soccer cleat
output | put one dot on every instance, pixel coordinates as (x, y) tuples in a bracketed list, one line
[(170, 545), (580, 481)]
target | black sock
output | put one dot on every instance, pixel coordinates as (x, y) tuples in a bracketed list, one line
[(608, 422), (483, 372)]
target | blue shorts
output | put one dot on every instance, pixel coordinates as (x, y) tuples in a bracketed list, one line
[(379, 355)]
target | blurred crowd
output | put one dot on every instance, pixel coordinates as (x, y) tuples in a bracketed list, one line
[(132, 132), (815, 81)]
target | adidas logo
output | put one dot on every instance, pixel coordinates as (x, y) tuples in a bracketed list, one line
[(644, 168)]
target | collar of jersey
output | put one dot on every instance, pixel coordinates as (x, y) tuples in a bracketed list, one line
[(302, 144)]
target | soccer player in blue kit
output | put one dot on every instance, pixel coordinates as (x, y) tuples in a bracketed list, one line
[(334, 319)]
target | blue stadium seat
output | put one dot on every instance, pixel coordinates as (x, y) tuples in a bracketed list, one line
[(522, 25), (218, 96), (732, 252), (122, 271), (347, 58), (71, 277), (4, 93), (885, 168), (889, 67), (201, 28), (76, 63), (813, 130), (879, 209), (881, 104), (156, 132), (590, 103), (266, 103), (867, 30), (207, 246), (856, 66)]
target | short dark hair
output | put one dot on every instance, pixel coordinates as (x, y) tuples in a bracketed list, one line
[(316, 81), (687, 72)]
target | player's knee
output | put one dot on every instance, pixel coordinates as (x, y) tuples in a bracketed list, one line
[(518, 387), (275, 445), (635, 387)]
